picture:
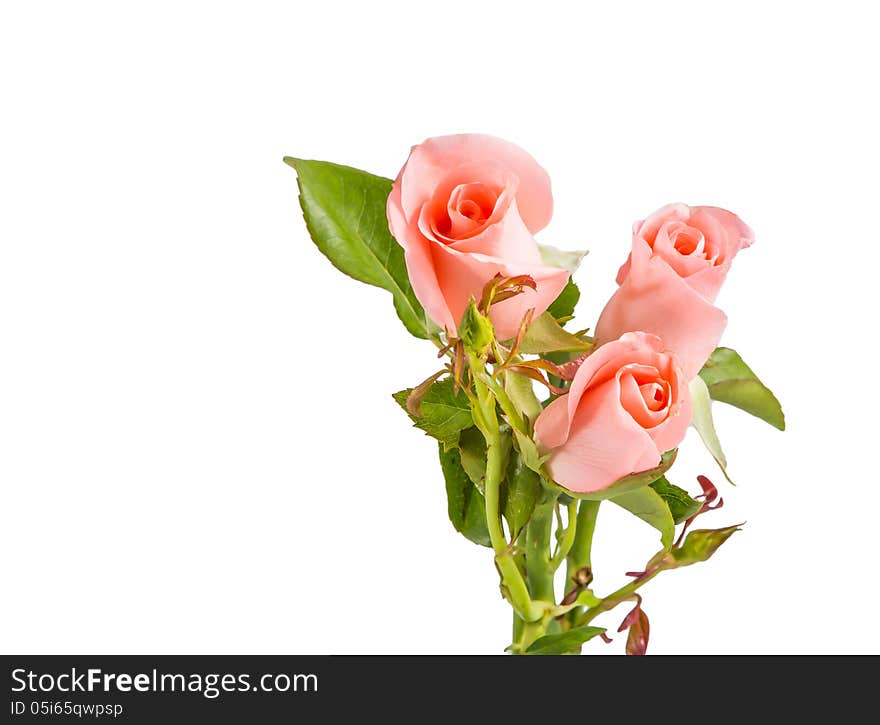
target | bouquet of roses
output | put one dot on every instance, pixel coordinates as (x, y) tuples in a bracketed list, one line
[(452, 240)]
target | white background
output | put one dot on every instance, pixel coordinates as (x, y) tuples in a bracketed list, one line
[(198, 447)]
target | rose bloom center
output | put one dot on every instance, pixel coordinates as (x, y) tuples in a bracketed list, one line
[(469, 207), (645, 395), (689, 241)]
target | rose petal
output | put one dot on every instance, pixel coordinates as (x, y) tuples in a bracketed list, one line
[(666, 245), (648, 228), (633, 400), (507, 315), (493, 189), (654, 299), (668, 434), (419, 265), (553, 424), (507, 239), (432, 160), (727, 227), (605, 362), (604, 443), (462, 275)]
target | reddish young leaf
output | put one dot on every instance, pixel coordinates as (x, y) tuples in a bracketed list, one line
[(489, 292), (636, 621), (568, 370), (637, 639), (530, 371), (501, 288), (630, 619), (414, 399), (458, 364), (523, 328), (710, 493)]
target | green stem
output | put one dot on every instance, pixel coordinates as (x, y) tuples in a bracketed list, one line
[(485, 416), (580, 555), (612, 600), (530, 632), (494, 474), (568, 537), (515, 589), (538, 570), (518, 625), (514, 418)]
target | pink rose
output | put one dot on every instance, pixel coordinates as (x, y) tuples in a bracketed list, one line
[(464, 208), (680, 257), (627, 405)]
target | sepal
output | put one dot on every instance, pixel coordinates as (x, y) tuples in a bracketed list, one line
[(702, 421)]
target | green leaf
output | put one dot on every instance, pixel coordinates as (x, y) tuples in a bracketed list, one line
[(704, 424), (400, 397), (443, 413), (466, 506), (563, 306), (472, 448), (545, 335), (519, 494), (702, 543), (521, 392), (344, 209), (561, 258), (628, 483), (564, 642), (651, 508), (681, 505), (529, 452), (731, 381)]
